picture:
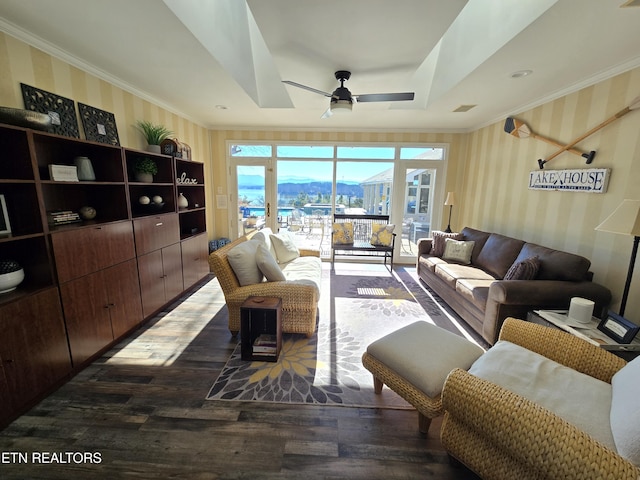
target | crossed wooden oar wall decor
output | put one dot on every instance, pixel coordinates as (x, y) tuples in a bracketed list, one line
[(521, 130)]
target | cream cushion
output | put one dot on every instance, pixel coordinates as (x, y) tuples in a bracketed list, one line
[(285, 247), (242, 259), (424, 354), (306, 270), (268, 265), (577, 398), (625, 411), (264, 236), (458, 251)]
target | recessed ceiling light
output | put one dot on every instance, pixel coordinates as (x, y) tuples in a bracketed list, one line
[(221, 107), (521, 73)]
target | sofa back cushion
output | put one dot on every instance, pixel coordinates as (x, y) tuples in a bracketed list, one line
[(477, 236), (498, 254), (555, 264)]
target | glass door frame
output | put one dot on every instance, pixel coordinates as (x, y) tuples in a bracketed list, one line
[(270, 194), (399, 189)]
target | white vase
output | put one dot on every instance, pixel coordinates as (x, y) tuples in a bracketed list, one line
[(182, 201), (153, 148), (85, 169)]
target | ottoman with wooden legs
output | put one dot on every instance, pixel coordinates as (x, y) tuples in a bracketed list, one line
[(414, 361)]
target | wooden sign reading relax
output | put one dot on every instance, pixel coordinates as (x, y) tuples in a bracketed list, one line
[(590, 180)]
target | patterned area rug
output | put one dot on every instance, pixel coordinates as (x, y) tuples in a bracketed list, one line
[(358, 305)]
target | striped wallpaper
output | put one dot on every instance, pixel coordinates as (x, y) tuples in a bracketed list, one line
[(22, 63), (488, 169)]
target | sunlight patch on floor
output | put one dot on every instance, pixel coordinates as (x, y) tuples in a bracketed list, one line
[(377, 292)]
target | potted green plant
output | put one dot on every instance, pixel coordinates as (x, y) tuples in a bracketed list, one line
[(144, 168), (153, 134)]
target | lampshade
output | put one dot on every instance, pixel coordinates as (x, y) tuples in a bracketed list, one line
[(451, 199), (340, 106), (624, 220)]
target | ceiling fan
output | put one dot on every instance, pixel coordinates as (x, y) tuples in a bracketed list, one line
[(343, 100)]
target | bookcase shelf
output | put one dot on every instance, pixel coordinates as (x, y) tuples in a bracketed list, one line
[(90, 283)]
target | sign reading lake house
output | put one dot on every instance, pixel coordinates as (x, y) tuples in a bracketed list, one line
[(590, 180)]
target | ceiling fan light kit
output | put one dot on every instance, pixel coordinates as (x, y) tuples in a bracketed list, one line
[(342, 100)]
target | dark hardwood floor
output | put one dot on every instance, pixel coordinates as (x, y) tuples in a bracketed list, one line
[(140, 412)]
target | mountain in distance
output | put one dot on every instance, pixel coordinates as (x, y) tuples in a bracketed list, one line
[(306, 185)]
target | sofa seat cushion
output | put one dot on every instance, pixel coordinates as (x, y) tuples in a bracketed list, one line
[(555, 264), (475, 291), (498, 254), (305, 270), (579, 399), (430, 262), (452, 272)]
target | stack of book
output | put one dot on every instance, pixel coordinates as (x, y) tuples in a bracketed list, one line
[(63, 217), (265, 344)]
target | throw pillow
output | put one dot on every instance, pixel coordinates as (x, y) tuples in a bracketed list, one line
[(458, 251), (343, 233), (381, 234), (437, 244), (527, 269), (285, 247), (268, 265), (624, 417), (242, 259)]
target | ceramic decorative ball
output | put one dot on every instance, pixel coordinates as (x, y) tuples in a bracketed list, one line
[(157, 199), (88, 213), (11, 275), (144, 200)]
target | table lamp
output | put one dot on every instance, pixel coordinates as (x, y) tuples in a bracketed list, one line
[(451, 201), (625, 220)]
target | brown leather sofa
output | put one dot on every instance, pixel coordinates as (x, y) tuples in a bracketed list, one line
[(478, 293)]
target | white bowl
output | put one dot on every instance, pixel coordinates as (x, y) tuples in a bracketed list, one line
[(9, 281)]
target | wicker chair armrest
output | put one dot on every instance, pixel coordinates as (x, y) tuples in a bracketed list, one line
[(290, 292), (527, 432), (308, 252), (563, 348)]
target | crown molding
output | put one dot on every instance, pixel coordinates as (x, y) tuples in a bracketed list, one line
[(51, 49)]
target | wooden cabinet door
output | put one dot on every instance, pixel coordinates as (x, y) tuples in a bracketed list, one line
[(83, 251), (33, 347), (153, 233), (172, 266), (151, 282), (86, 309), (195, 262), (123, 292)]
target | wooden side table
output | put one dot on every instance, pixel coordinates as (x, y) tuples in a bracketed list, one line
[(261, 329)]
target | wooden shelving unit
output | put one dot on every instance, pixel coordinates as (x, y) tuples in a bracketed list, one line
[(90, 283)]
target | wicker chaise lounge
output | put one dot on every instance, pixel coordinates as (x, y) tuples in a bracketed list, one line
[(299, 300), (500, 434)]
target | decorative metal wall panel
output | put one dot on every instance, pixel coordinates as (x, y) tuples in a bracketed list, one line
[(61, 110), (98, 125)]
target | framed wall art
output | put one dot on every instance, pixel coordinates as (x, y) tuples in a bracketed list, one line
[(5, 226), (98, 125), (61, 110)]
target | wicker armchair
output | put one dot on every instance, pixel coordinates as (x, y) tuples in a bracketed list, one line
[(499, 434), (299, 301)]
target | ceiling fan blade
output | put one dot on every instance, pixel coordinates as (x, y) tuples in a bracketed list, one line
[(385, 97), (328, 113), (304, 87)]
